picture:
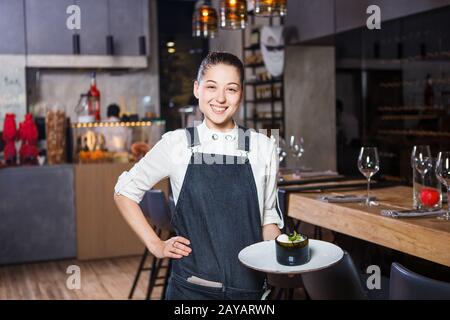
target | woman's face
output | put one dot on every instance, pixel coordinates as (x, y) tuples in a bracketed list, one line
[(219, 95)]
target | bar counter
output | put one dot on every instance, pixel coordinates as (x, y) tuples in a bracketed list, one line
[(63, 211)]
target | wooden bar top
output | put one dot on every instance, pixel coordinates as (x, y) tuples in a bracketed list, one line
[(427, 238)]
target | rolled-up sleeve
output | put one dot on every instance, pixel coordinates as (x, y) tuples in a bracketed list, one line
[(272, 214), (151, 169)]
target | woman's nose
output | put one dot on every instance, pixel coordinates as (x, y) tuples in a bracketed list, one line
[(221, 96)]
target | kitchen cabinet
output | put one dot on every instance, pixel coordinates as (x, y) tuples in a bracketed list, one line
[(12, 26), (46, 30), (125, 21), (310, 19), (94, 26), (351, 14), (47, 33), (128, 21)]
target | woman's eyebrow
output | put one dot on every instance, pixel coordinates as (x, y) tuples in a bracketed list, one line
[(211, 81), (234, 83)]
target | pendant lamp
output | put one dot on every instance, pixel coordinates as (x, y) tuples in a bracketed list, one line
[(204, 20), (233, 14), (270, 8)]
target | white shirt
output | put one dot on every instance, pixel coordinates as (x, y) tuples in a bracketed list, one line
[(171, 155)]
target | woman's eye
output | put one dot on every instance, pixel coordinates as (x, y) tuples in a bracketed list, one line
[(232, 90), (210, 87)]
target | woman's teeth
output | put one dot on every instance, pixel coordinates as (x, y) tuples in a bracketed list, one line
[(218, 110)]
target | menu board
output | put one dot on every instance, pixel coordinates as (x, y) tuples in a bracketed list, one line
[(12, 87)]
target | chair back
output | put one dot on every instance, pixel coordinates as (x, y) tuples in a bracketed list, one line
[(155, 207), (338, 282), (407, 285)]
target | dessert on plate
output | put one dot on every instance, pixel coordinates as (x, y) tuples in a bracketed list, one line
[(292, 250)]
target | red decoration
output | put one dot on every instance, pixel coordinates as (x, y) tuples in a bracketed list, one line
[(429, 197), (28, 133), (9, 136)]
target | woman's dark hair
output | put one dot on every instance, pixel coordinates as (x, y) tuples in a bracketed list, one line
[(217, 57)]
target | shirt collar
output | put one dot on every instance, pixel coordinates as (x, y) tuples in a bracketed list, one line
[(207, 132)]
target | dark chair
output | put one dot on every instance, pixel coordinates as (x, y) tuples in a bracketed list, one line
[(155, 207), (407, 285), (338, 282)]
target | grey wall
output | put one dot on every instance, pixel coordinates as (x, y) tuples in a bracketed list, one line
[(63, 87), (310, 103)]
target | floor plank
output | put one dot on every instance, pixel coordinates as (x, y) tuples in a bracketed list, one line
[(100, 280)]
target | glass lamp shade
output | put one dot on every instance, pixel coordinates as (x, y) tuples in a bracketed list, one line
[(204, 22), (233, 14), (267, 8)]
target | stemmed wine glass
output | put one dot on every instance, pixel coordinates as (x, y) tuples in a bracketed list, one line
[(296, 148), (443, 175), (281, 150), (368, 165), (421, 158)]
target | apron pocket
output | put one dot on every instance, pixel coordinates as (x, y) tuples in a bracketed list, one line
[(203, 282)]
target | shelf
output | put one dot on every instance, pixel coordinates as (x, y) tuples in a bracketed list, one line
[(255, 65), (410, 108), (415, 133), (267, 100), (259, 83), (86, 61), (253, 47), (409, 117)]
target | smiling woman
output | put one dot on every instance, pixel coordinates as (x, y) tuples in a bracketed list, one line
[(232, 202), (219, 89)]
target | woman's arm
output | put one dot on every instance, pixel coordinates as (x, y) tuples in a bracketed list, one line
[(272, 219), (270, 231), (175, 247), (130, 189)]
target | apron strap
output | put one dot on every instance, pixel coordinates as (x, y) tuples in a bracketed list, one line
[(244, 139), (192, 137)]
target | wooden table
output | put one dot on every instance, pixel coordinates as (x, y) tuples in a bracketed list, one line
[(427, 238)]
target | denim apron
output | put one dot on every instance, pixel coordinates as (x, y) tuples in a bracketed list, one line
[(218, 211)]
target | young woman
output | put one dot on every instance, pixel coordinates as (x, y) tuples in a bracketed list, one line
[(223, 180)]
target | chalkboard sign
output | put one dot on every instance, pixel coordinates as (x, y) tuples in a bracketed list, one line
[(12, 87)]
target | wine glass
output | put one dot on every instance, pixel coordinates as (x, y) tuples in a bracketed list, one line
[(281, 153), (443, 175), (281, 150), (368, 165), (421, 157), (296, 146), (296, 150)]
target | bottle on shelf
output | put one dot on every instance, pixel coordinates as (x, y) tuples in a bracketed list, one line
[(94, 98)]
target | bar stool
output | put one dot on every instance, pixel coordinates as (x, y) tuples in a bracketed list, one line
[(158, 211)]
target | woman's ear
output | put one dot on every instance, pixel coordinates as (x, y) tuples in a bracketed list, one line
[(196, 88)]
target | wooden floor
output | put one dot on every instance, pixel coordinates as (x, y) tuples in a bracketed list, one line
[(100, 280)]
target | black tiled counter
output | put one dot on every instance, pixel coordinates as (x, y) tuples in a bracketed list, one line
[(37, 213)]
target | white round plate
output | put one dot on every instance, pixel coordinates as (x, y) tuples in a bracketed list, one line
[(261, 256)]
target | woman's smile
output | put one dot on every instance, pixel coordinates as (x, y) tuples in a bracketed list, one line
[(218, 109)]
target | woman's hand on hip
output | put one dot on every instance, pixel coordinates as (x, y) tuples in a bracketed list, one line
[(175, 247)]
